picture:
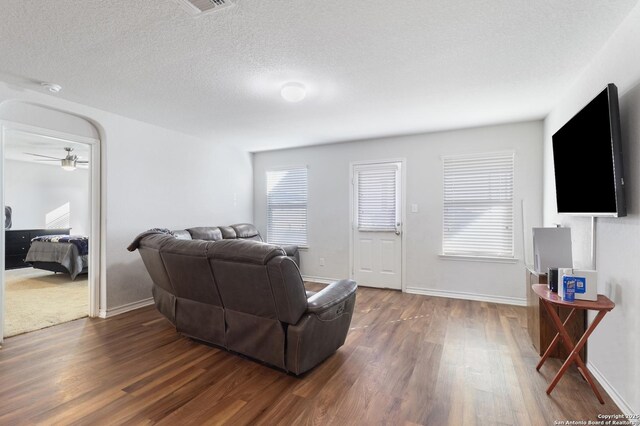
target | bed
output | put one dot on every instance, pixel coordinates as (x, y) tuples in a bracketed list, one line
[(60, 253)]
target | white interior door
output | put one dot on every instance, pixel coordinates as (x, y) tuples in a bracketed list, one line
[(377, 226)]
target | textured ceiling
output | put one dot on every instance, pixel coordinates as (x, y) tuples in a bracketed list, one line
[(372, 68)]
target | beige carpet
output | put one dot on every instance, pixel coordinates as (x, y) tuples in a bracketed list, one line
[(36, 299)]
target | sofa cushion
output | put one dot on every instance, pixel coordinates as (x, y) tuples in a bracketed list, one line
[(207, 233), (228, 233), (239, 261), (182, 234), (247, 231), (186, 264)]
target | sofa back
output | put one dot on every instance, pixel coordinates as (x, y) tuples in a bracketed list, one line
[(163, 291), (233, 293), (258, 279), (152, 260), (243, 231)]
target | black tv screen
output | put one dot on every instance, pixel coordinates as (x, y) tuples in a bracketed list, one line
[(587, 158)]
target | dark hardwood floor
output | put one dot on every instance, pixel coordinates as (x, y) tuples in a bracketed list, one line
[(409, 359)]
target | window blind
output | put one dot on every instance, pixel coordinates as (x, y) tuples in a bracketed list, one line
[(377, 199), (478, 205), (287, 206)]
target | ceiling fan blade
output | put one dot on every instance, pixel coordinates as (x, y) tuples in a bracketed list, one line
[(45, 156), (49, 160), (82, 162)]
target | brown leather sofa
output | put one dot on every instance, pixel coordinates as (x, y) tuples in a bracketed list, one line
[(244, 231), (248, 297)]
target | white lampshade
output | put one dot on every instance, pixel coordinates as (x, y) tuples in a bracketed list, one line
[(293, 92)]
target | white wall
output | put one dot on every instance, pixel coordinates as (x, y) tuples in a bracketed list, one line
[(328, 210), (33, 190), (158, 178), (151, 177), (614, 348)]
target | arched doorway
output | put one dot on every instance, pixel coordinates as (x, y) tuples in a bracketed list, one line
[(25, 121)]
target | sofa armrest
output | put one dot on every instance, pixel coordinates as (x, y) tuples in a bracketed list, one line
[(323, 328), (331, 295), (292, 252)]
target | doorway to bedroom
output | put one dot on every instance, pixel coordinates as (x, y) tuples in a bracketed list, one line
[(48, 220)]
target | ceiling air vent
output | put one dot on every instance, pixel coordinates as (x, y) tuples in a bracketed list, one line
[(200, 7)]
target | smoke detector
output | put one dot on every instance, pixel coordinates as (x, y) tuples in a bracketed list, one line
[(201, 7), (51, 87)]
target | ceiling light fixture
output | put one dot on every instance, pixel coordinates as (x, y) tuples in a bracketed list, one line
[(68, 164), (293, 92), (51, 87)]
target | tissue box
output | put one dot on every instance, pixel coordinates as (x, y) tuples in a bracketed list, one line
[(585, 285)]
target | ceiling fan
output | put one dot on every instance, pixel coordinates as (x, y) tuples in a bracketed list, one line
[(70, 162)]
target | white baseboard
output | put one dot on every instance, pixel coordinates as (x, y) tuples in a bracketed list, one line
[(320, 280), (468, 296), (125, 308), (440, 293), (610, 390)]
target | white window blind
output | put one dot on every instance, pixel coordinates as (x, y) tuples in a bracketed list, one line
[(287, 206), (377, 198), (478, 205)]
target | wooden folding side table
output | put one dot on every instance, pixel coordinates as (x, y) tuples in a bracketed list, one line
[(549, 299)]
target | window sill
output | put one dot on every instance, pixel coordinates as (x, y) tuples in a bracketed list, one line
[(487, 259), (302, 248)]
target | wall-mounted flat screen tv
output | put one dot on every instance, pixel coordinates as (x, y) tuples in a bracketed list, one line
[(587, 156)]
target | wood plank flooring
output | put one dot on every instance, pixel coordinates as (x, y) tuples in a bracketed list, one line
[(408, 360)]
